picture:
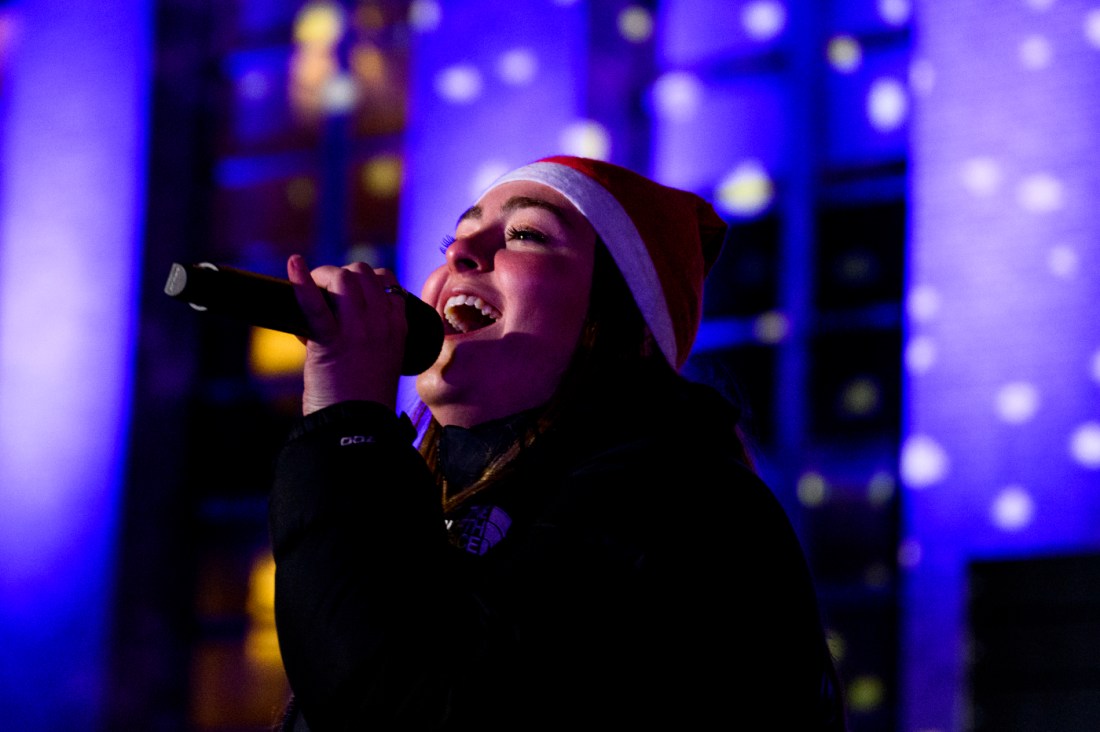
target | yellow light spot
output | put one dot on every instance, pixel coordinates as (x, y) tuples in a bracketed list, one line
[(865, 693), (811, 489), (319, 23), (273, 354), (301, 192), (381, 176), (746, 191)]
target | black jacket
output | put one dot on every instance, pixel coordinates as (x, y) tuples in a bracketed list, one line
[(630, 571)]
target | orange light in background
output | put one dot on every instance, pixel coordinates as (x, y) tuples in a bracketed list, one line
[(262, 643), (369, 64), (272, 354)]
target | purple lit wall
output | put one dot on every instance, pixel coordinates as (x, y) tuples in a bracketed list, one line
[(72, 175), (1002, 451)]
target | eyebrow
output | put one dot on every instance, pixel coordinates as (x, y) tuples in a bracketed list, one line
[(515, 203)]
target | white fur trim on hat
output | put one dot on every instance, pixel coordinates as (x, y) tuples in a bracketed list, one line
[(617, 230)]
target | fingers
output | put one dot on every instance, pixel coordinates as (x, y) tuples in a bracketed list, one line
[(356, 346), (333, 298), (311, 297)]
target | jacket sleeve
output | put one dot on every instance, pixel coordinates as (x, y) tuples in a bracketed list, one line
[(360, 549)]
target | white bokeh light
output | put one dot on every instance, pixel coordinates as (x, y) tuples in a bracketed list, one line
[(981, 176), (677, 95), (1040, 4), (635, 24), (887, 104), (339, 94), (1017, 402), (881, 488), (1092, 27), (923, 303), (910, 553), (1040, 193), (923, 462), (1013, 509), (861, 397), (895, 12), (920, 354), (460, 84), (1094, 367), (1035, 52), (485, 175), (518, 66), (425, 15), (1063, 261), (1084, 445), (586, 138), (844, 53), (771, 327), (922, 76), (763, 19), (812, 490), (746, 191)]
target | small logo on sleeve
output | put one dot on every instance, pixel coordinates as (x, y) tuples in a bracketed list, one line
[(355, 440)]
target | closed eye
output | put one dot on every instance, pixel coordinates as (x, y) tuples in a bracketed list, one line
[(444, 245)]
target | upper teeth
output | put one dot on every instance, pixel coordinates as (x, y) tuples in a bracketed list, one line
[(457, 301)]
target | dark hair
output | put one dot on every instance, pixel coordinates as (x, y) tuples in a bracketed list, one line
[(614, 340)]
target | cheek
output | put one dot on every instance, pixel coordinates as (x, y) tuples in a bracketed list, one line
[(429, 293), (561, 302)]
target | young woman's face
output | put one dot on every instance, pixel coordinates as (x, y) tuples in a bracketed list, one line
[(514, 293)]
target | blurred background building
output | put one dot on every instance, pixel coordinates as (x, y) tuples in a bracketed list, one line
[(907, 307)]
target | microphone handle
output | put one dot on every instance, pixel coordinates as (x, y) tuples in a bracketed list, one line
[(269, 302)]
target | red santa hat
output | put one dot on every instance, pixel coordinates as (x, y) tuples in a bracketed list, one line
[(663, 240)]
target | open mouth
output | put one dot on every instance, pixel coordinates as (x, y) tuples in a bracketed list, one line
[(467, 313)]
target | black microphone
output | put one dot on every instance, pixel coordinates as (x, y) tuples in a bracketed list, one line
[(269, 302)]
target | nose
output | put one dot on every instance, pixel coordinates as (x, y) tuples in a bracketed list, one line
[(470, 254)]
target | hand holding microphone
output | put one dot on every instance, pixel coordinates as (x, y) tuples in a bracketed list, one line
[(270, 302)]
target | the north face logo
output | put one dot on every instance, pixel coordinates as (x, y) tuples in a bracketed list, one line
[(480, 529)]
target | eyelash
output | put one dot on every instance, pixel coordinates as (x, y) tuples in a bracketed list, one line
[(525, 235), (511, 233)]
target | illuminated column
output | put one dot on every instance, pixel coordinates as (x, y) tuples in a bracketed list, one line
[(70, 234), (1002, 456)]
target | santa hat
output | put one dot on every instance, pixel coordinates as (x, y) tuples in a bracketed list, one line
[(662, 239)]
